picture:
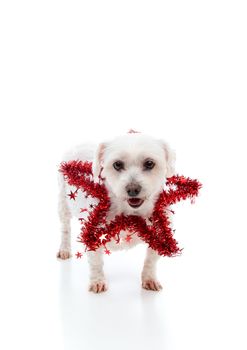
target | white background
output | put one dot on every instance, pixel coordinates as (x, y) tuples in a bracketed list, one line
[(73, 71)]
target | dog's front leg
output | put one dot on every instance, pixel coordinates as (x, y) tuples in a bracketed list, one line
[(149, 278), (97, 278), (65, 217)]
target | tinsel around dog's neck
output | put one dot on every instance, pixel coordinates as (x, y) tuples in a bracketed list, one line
[(96, 231)]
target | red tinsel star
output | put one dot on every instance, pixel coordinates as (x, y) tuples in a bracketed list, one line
[(107, 251), (158, 234), (128, 238), (78, 255), (73, 195)]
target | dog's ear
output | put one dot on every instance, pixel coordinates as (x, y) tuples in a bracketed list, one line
[(170, 157), (98, 161)]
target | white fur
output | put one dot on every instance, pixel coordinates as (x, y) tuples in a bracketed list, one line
[(133, 150)]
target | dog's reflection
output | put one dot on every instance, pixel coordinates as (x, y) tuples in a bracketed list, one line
[(125, 319)]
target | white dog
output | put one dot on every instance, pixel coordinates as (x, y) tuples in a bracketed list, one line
[(134, 168)]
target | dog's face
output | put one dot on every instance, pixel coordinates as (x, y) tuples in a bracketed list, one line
[(134, 168)]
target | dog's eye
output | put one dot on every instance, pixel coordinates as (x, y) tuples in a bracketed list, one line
[(148, 165), (118, 165)]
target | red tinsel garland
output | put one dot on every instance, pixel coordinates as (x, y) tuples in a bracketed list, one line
[(158, 234)]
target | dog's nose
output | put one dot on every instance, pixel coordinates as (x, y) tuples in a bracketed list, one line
[(133, 189)]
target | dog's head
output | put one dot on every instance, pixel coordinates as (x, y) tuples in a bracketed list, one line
[(134, 168)]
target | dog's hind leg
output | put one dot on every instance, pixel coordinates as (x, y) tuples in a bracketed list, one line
[(65, 217)]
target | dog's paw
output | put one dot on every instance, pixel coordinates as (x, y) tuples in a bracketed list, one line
[(98, 287), (151, 284), (64, 254)]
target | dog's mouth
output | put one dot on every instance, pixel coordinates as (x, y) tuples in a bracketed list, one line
[(135, 202)]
